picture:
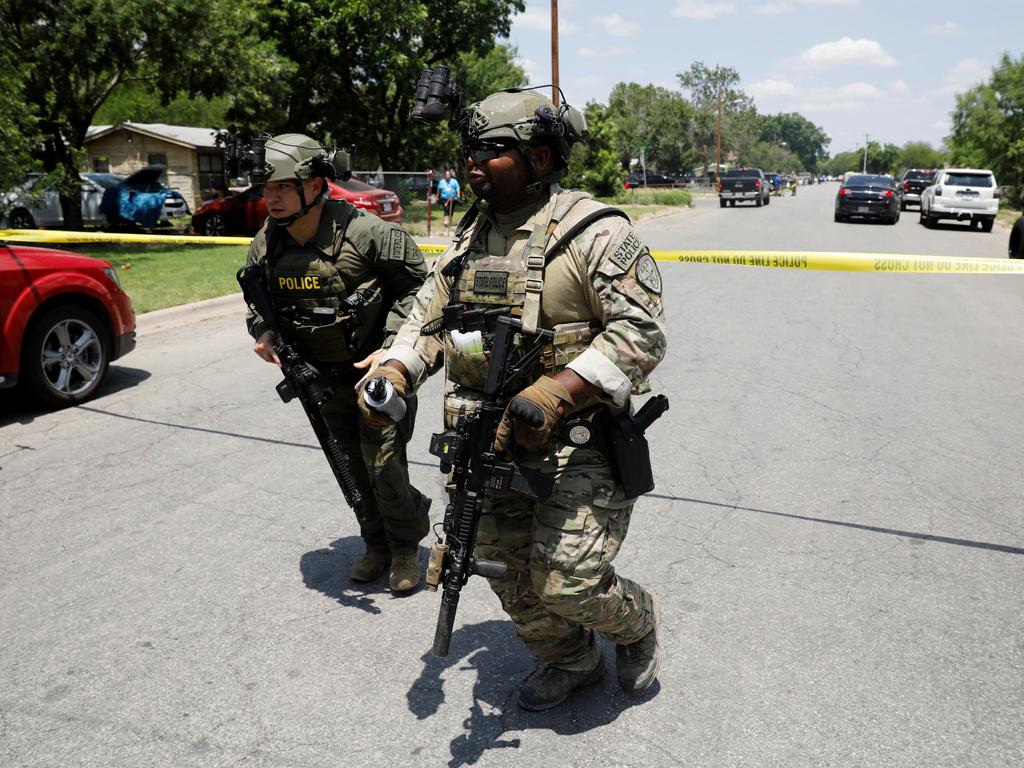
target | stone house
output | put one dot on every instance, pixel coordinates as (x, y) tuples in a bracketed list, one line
[(195, 164)]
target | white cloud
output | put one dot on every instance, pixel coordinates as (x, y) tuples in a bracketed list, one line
[(601, 53), (846, 50), (702, 9), (966, 73), (617, 26), (900, 87), (765, 88), (779, 7), (773, 9), (948, 29), (539, 19), (530, 68)]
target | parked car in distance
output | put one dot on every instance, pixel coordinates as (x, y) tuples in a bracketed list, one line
[(961, 194), (1016, 247), (142, 199), (63, 319), (34, 204), (913, 184), (653, 179), (743, 185), (245, 212), (868, 196)]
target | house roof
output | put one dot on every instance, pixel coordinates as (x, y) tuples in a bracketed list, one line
[(182, 135)]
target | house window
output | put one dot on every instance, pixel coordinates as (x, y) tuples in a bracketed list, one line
[(157, 158), (211, 175), (101, 164)]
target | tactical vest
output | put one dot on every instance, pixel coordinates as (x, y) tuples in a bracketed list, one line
[(514, 280), (329, 316)]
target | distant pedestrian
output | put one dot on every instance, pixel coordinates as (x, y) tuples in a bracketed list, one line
[(450, 191)]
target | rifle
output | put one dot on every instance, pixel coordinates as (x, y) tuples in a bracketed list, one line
[(304, 381), (468, 449)]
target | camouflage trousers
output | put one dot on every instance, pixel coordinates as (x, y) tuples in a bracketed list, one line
[(396, 510), (561, 586)]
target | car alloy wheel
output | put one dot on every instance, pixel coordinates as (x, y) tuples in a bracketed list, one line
[(22, 219), (215, 226), (67, 356)]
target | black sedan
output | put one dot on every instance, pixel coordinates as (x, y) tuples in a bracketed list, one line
[(868, 196)]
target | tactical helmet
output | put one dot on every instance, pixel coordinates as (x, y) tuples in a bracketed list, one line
[(525, 116), (293, 156)]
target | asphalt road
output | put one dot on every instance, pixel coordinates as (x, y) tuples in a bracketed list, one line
[(836, 535)]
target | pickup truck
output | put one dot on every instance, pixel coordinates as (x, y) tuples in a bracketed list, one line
[(747, 185), (913, 183)]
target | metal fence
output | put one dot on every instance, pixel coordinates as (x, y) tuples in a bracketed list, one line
[(412, 187)]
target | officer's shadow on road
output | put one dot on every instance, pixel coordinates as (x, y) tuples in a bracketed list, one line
[(491, 651), (326, 571)]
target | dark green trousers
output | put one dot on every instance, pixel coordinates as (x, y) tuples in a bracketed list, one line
[(396, 511)]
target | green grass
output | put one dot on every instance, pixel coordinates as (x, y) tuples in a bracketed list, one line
[(158, 276), (640, 197)]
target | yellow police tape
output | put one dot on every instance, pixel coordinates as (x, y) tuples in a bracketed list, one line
[(60, 236), (818, 260)]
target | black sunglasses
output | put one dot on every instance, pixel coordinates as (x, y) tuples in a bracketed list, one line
[(482, 151)]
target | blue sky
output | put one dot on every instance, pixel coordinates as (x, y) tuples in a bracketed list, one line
[(888, 68)]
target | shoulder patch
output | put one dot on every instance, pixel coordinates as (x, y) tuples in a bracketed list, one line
[(626, 253), (647, 273), (396, 245)]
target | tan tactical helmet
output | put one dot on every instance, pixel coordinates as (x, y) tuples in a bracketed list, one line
[(293, 156), (524, 115)]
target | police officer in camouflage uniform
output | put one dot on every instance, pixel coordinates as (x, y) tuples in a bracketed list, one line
[(345, 282), (601, 294)]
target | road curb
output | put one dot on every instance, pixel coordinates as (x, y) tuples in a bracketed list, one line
[(185, 314)]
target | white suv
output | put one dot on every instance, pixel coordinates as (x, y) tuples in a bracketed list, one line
[(963, 194)]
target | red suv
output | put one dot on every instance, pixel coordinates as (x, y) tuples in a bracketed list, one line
[(244, 213), (63, 318)]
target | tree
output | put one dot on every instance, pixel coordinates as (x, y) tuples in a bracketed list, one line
[(651, 117), (139, 102), (771, 157), (795, 132), (712, 90), (595, 165), (358, 63), (988, 124), (77, 53), (18, 127), (920, 154)]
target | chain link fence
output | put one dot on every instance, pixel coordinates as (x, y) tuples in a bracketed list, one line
[(416, 191)]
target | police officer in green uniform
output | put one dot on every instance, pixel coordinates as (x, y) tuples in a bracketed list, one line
[(600, 293), (344, 281)]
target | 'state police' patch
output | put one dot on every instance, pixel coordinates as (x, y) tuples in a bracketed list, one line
[(627, 251), (647, 273), (396, 249), (490, 282)]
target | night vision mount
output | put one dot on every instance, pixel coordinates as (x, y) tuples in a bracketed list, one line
[(438, 97), (251, 159)]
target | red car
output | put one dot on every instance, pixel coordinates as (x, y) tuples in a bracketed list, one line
[(63, 318), (245, 212)]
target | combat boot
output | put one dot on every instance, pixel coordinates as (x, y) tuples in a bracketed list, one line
[(405, 572), (548, 686), (639, 663), (371, 566)]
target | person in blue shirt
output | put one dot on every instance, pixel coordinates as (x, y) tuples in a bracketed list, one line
[(450, 191)]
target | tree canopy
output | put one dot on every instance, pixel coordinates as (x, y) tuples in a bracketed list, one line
[(988, 124)]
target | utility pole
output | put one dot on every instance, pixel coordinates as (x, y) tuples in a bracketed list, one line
[(865, 169), (554, 52)]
